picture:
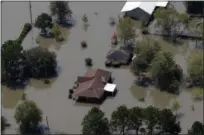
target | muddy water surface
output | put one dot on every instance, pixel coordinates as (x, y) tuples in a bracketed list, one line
[(63, 114)]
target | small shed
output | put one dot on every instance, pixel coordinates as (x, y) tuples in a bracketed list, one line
[(119, 55)]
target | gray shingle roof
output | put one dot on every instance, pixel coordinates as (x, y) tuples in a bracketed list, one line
[(118, 55)]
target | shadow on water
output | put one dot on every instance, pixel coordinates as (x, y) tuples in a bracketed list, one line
[(180, 115), (95, 102), (68, 24), (17, 84), (40, 83)]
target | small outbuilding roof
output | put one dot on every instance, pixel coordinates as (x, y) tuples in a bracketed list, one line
[(110, 87), (118, 55), (145, 6)]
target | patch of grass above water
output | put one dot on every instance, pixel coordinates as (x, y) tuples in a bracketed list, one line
[(10, 97), (138, 92), (160, 98)]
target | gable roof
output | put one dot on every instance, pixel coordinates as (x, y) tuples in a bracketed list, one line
[(118, 54), (92, 84), (145, 6)]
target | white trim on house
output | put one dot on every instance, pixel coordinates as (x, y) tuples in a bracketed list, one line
[(145, 6)]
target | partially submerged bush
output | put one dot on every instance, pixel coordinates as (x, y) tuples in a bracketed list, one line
[(195, 68), (71, 91), (145, 31), (46, 81), (84, 18), (116, 64), (43, 21), (88, 62), (70, 96), (26, 29), (24, 96), (83, 44), (112, 21), (108, 63), (57, 33), (197, 93), (56, 30), (59, 38), (139, 64)]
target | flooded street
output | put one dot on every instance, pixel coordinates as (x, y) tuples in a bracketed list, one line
[(63, 114)]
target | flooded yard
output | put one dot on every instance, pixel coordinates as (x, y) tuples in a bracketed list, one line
[(63, 114)]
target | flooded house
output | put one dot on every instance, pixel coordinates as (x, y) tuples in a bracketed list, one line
[(93, 85), (141, 10)]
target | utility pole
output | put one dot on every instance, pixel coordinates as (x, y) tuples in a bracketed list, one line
[(47, 123), (203, 25), (30, 7), (31, 19)]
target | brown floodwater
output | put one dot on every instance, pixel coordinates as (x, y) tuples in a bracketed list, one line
[(10, 97), (63, 114)]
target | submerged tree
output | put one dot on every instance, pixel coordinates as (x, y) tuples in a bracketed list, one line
[(56, 30), (168, 122), (175, 106), (135, 119), (151, 116), (88, 62), (61, 10), (145, 50), (41, 62), (170, 20), (126, 29), (166, 73), (85, 22), (43, 21), (3, 123), (197, 93), (28, 116), (196, 129), (195, 67), (120, 119), (95, 123), (13, 64), (57, 33)]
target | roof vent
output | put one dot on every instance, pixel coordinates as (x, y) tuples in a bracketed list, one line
[(103, 80)]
